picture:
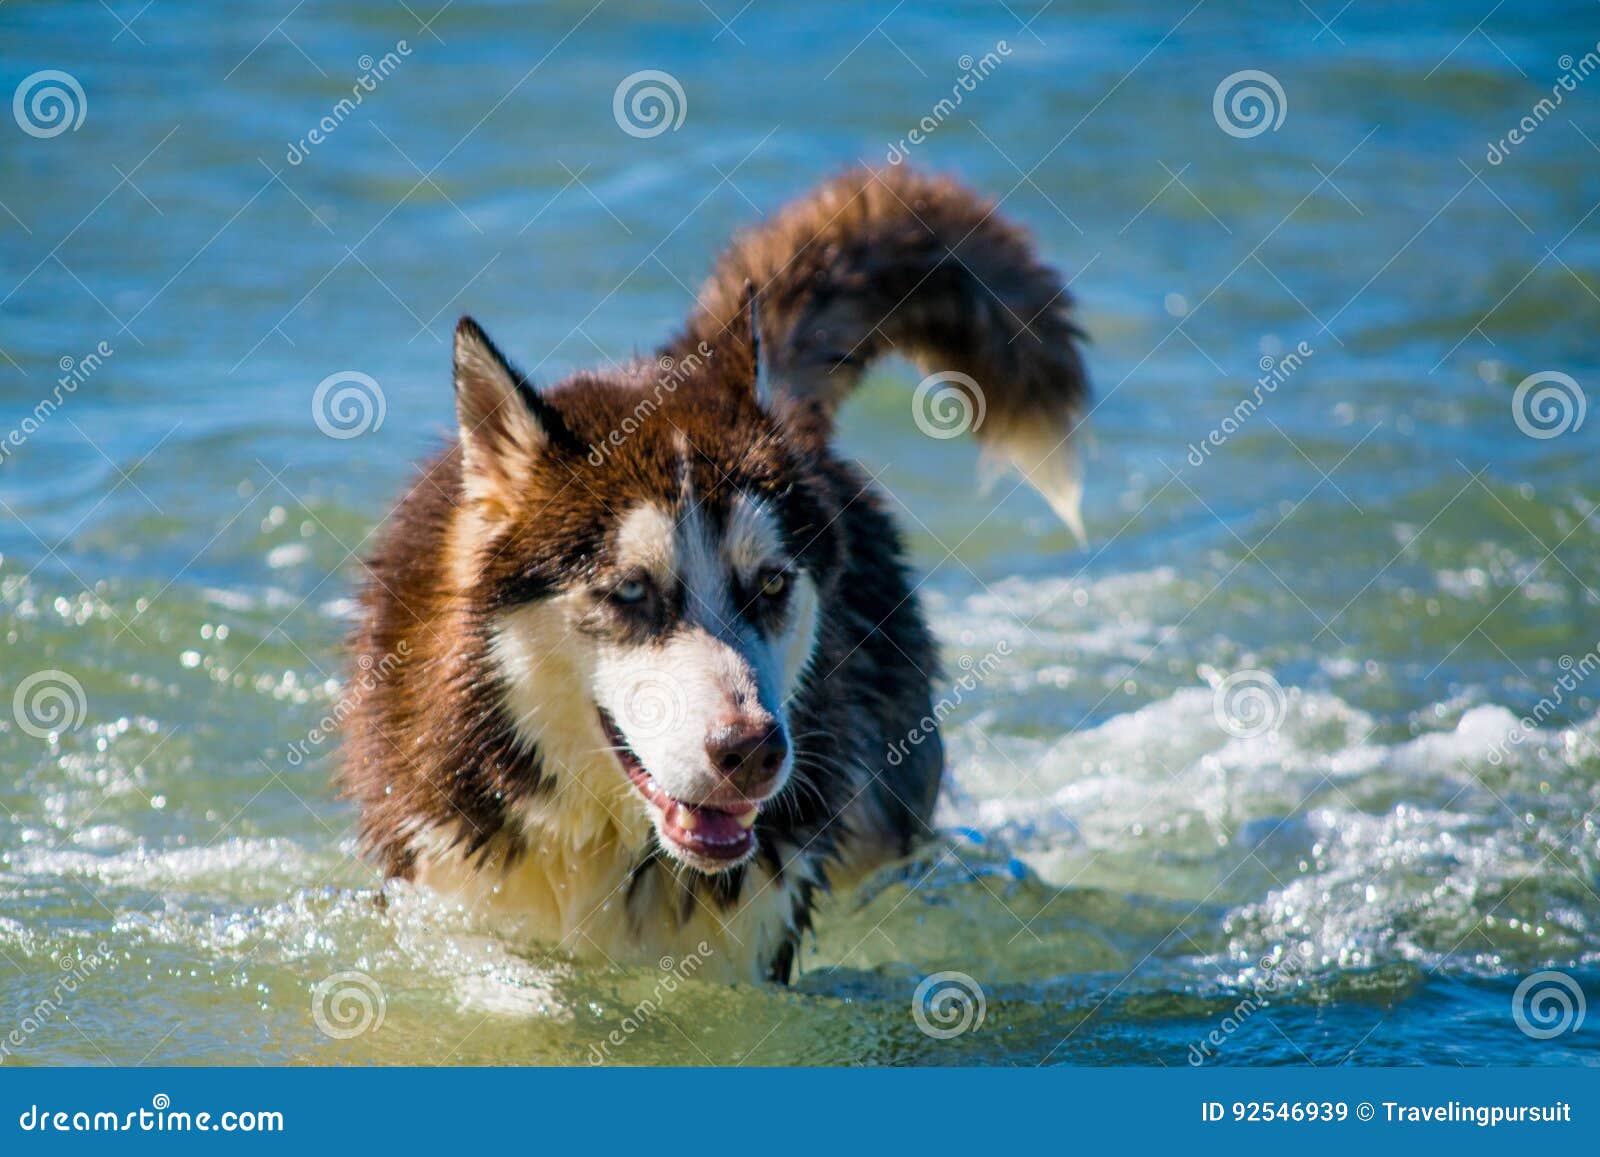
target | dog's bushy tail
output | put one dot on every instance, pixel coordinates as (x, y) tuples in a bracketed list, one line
[(896, 260)]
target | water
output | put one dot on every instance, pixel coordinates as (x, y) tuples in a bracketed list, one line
[(1121, 876)]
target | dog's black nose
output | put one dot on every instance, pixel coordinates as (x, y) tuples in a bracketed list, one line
[(749, 754)]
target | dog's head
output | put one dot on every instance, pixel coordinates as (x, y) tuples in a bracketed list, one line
[(647, 549)]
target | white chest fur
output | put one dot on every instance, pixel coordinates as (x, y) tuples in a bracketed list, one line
[(574, 896)]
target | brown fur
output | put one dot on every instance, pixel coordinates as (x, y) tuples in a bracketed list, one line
[(899, 260)]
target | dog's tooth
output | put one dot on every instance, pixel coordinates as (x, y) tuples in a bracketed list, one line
[(747, 820), (688, 818)]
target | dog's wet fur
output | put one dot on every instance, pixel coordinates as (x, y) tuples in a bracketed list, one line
[(659, 640)]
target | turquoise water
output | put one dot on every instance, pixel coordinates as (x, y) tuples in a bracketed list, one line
[(1376, 555)]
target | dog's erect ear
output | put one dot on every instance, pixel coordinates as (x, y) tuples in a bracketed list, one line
[(807, 418), (760, 372), (504, 424)]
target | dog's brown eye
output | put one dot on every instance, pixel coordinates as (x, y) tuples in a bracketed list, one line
[(776, 583)]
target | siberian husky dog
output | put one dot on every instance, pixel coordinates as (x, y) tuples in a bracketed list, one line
[(654, 675)]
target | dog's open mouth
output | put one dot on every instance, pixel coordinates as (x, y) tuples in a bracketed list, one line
[(700, 831)]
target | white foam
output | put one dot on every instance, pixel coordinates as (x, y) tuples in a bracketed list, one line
[(231, 866), (1322, 834)]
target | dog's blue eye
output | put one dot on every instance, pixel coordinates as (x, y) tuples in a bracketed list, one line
[(630, 591)]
